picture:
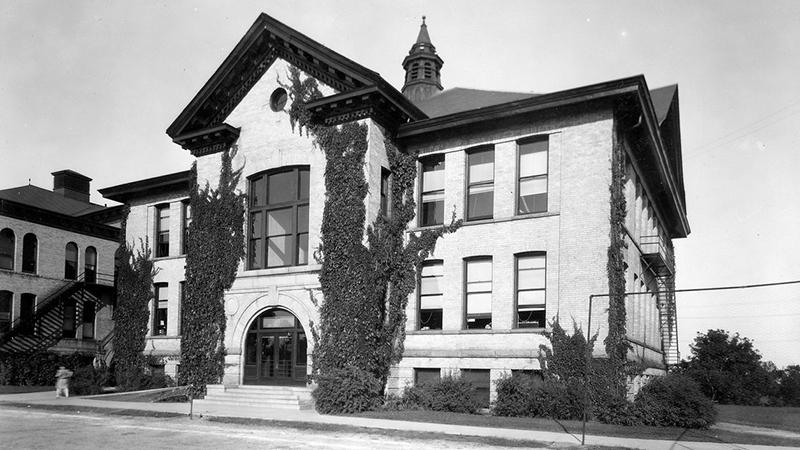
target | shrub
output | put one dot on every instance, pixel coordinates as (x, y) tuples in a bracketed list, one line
[(347, 390), (558, 400), (514, 396), (38, 369), (87, 380), (449, 393), (614, 410), (675, 401)]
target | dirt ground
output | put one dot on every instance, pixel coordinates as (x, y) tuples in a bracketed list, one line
[(24, 429)]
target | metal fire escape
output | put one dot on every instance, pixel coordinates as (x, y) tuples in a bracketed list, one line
[(657, 256)]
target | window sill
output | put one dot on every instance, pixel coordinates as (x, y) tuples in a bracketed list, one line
[(477, 331), (280, 271), (161, 336), (167, 258)]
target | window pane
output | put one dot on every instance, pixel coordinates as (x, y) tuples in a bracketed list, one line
[(479, 271), (302, 249), (302, 219), (278, 253), (255, 252), (533, 159), (258, 192), (481, 202), (479, 303), (430, 270), (279, 222), (281, 187), (430, 285), (431, 302), (481, 166), (255, 225), (530, 298), (163, 218), (161, 292), (432, 212), (531, 279), (304, 176), (533, 186), (433, 181)]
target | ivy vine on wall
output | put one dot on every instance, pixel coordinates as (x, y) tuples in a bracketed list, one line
[(365, 286), (616, 344), (131, 315), (215, 247)]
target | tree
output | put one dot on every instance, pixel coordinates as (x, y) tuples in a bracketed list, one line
[(727, 368), (789, 385)]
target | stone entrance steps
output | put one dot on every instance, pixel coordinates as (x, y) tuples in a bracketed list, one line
[(280, 397)]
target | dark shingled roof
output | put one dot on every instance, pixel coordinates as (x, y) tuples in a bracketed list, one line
[(458, 100), (48, 200), (662, 99)]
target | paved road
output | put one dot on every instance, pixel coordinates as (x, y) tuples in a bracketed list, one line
[(33, 429)]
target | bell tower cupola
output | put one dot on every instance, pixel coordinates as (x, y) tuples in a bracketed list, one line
[(423, 68)]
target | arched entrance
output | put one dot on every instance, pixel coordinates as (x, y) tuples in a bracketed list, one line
[(275, 350)]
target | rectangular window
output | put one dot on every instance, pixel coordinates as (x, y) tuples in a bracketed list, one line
[(278, 231), (187, 220), (532, 188), (89, 313), (27, 311), (162, 231), (479, 294), (431, 296), (160, 308), (68, 323), (6, 300), (432, 189), (480, 180), (385, 192), (426, 375), (531, 274), (481, 379)]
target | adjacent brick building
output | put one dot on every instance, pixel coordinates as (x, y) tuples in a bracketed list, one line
[(530, 174), (57, 254)]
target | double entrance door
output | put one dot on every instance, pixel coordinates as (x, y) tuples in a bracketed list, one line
[(275, 350)]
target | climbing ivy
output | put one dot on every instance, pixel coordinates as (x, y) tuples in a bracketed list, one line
[(365, 285), (215, 247), (134, 292), (616, 345)]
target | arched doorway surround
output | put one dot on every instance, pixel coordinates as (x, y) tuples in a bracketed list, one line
[(275, 350)]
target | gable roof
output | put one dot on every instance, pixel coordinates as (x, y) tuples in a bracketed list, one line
[(662, 100), (456, 100), (48, 200), (174, 182), (266, 40)]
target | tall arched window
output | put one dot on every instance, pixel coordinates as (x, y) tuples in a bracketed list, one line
[(30, 253), (278, 232), (90, 265), (71, 261), (7, 249)]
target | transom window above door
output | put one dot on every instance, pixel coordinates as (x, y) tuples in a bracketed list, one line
[(278, 221)]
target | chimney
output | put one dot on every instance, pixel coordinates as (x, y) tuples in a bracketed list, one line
[(71, 185)]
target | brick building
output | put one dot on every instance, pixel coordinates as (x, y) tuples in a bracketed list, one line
[(530, 174), (57, 254)]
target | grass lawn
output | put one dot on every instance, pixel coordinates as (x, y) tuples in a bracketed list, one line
[(592, 428), (761, 416), (25, 389)]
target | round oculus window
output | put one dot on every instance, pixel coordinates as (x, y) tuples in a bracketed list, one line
[(277, 101)]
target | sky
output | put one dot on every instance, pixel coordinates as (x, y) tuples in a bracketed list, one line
[(92, 86)]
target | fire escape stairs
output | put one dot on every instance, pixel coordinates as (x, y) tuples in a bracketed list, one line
[(44, 328), (659, 259)]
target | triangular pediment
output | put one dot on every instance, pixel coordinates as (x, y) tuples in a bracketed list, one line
[(263, 43)]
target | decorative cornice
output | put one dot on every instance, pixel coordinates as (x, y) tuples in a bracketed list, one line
[(372, 102), (52, 219), (208, 141)]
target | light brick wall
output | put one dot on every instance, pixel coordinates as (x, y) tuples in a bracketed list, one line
[(574, 233), (49, 276)]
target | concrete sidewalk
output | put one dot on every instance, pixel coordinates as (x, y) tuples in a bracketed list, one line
[(561, 439)]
